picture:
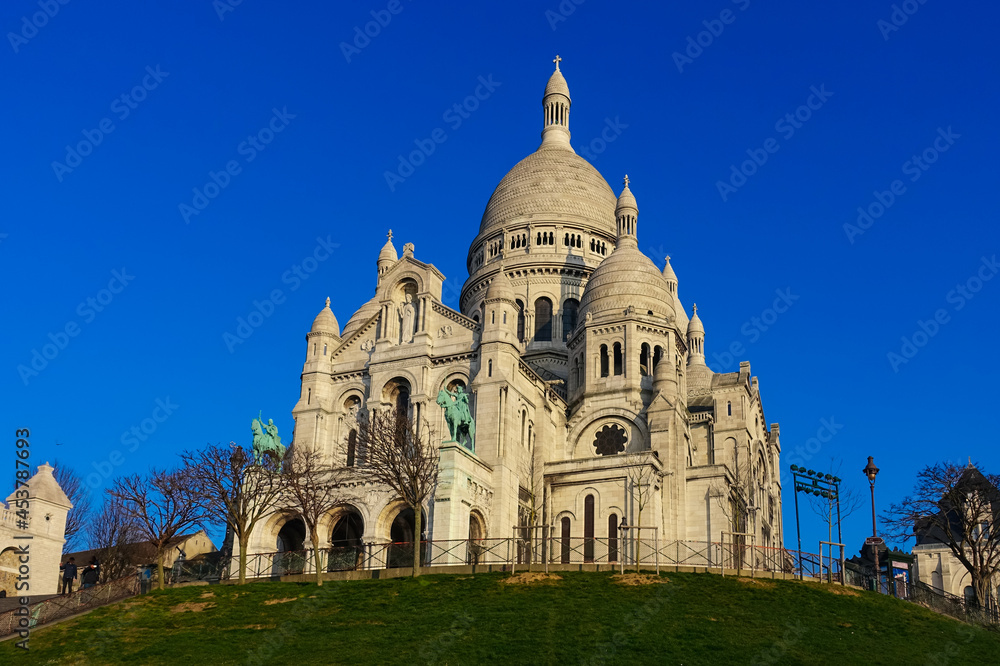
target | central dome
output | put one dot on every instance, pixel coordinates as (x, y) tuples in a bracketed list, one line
[(552, 183)]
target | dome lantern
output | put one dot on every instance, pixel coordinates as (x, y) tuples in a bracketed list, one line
[(556, 103), (627, 213)]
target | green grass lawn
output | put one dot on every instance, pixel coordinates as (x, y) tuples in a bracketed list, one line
[(455, 619)]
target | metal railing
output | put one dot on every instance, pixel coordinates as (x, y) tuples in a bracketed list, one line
[(60, 607), (647, 552)]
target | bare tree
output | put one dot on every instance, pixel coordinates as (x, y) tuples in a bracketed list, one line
[(826, 507), (311, 488), (958, 507), (162, 505), (237, 491), (114, 535), (529, 505), (78, 493), (640, 468), (396, 455), (736, 498)]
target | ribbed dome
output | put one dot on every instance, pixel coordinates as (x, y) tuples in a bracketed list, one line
[(557, 85), (388, 252), (364, 313), (501, 288), (626, 278), (695, 325), (668, 271), (553, 183), (326, 322)]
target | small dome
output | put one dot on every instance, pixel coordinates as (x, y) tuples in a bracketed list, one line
[(325, 321), (627, 278), (500, 288), (626, 200), (364, 313), (695, 325), (557, 84), (668, 272), (388, 252)]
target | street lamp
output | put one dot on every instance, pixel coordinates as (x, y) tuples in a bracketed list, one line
[(871, 471)]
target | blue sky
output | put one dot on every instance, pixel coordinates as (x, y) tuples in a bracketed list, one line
[(335, 120)]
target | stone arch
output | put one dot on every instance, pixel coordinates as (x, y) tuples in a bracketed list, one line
[(396, 392), (406, 280), (582, 435)]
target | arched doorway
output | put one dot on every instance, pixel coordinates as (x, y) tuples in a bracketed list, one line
[(477, 533), (346, 541), (291, 541), (397, 394), (402, 535)]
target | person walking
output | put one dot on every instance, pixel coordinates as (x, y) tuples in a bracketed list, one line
[(69, 575)]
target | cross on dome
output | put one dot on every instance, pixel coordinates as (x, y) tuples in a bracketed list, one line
[(390, 234), (327, 301), (557, 60), (626, 180)]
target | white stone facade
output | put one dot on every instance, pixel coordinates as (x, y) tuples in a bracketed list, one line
[(567, 335), (47, 510)]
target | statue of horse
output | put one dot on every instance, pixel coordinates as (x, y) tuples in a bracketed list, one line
[(266, 441), (457, 416)]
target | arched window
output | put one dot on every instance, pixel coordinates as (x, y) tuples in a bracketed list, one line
[(613, 538), (505, 316), (314, 349), (618, 358), (552, 238), (524, 429), (493, 316), (324, 350), (489, 372), (520, 320), (570, 309), (352, 447), (538, 239), (475, 317), (579, 242), (604, 360), (729, 409), (566, 240), (588, 529), (543, 320), (644, 359), (309, 395), (564, 545), (657, 355)]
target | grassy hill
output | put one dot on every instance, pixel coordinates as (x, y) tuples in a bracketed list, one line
[(592, 618)]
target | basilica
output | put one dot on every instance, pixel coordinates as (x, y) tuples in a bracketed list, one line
[(576, 358)]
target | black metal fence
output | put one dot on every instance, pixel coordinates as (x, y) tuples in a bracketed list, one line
[(60, 607)]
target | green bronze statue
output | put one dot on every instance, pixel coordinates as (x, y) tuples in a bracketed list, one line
[(457, 415), (266, 441)]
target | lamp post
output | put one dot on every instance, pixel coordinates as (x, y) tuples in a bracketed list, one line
[(871, 471)]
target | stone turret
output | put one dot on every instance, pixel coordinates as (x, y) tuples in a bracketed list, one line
[(626, 213), (387, 257)]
